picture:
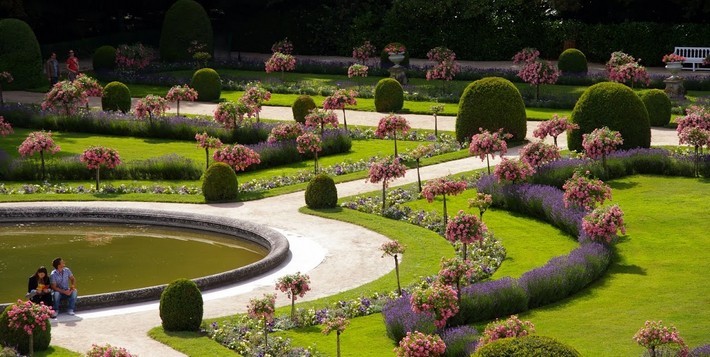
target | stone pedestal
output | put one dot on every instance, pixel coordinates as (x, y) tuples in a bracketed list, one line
[(674, 87), (398, 74)]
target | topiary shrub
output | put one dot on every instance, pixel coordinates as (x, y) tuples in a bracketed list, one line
[(116, 97), (491, 103), (181, 306), (321, 192), (527, 346), (301, 107), (389, 95), (20, 55), (104, 58), (572, 61), (658, 106), (220, 183), (19, 339), (207, 83), (613, 105), (186, 21)]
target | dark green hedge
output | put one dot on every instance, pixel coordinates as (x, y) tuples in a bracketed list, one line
[(20, 55), (184, 22)]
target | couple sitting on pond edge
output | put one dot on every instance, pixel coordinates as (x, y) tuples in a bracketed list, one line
[(51, 289)]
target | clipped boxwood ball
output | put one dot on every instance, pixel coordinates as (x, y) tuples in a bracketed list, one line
[(321, 192), (572, 61), (104, 58), (613, 105), (220, 183), (658, 106), (527, 346), (181, 306), (389, 95), (207, 83), (186, 21), (20, 55), (491, 103), (116, 97), (301, 107), (8, 337)]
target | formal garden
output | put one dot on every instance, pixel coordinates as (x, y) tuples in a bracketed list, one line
[(591, 240)]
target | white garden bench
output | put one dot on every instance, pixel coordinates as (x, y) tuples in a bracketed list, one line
[(694, 56)]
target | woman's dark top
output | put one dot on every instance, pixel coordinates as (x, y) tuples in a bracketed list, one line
[(33, 283)]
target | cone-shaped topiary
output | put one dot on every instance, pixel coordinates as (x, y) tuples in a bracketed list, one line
[(658, 106), (20, 55), (389, 95), (220, 183), (531, 345), (613, 105), (301, 107), (104, 58), (207, 83), (572, 61), (491, 103), (116, 97), (186, 21), (181, 306), (321, 192), (19, 339)]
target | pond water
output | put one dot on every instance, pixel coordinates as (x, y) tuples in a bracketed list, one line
[(107, 258)]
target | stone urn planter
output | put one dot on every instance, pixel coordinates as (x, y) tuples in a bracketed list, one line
[(674, 68), (396, 58)]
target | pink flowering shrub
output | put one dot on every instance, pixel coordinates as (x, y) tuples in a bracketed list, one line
[(134, 57), (108, 351), (654, 335), (181, 93), (390, 126), (89, 85), (417, 154), (254, 96), (583, 191), (601, 142), (526, 55), (623, 68), (602, 224), (320, 118), (338, 100), (280, 62), (465, 228), (417, 344), (5, 127), (482, 201), (455, 271), (364, 53), (393, 248), (239, 157), (696, 118), (672, 57), (294, 285), (284, 46), (538, 153), (487, 143), (446, 66), (231, 114), (442, 186), (309, 143), (337, 324), (537, 73), (385, 170), (440, 54), (263, 309), (696, 137), (438, 299), (38, 142), (512, 327), (96, 157), (513, 170), (285, 131), (151, 106), (357, 70), (28, 317), (207, 142), (65, 97), (554, 127)]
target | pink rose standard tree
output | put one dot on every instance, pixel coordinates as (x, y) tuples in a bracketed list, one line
[(207, 142), (654, 335), (337, 324), (96, 157), (417, 344), (181, 93), (231, 114), (338, 100), (623, 68), (280, 62), (538, 153), (89, 86), (465, 228), (535, 71), (364, 52), (310, 143), (65, 97), (285, 131), (487, 143), (602, 224), (263, 309), (385, 170), (38, 142), (482, 201), (319, 118), (5, 127), (442, 186), (437, 299), (390, 126), (455, 271), (254, 96), (417, 154), (585, 192), (446, 66), (600, 143), (554, 127), (393, 249), (697, 137), (152, 106), (513, 170), (512, 327), (29, 318), (435, 110), (239, 157), (294, 285)]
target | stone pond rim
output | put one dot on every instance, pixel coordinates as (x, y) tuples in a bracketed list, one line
[(274, 242)]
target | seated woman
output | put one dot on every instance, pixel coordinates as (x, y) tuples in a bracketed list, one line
[(38, 287)]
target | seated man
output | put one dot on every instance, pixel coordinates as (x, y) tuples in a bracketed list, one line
[(64, 285)]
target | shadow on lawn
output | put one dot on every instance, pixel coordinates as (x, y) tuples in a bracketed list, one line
[(622, 185), (626, 269)]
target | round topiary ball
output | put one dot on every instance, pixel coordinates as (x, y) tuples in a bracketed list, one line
[(20, 55), (104, 58), (207, 83), (181, 306), (613, 105), (19, 339), (321, 192), (116, 97), (658, 106), (389, 95), (491, 103), (527, 346), (220, 183), (186, 21), (301, 107), (572, 61)]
